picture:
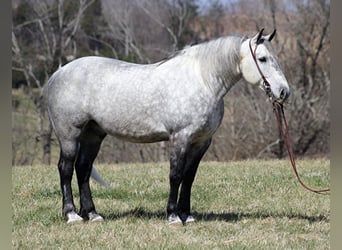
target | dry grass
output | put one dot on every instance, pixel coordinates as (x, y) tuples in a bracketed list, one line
[(238, 205)]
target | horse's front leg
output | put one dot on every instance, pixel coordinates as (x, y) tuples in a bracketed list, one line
[(194, 157), (178, 150)]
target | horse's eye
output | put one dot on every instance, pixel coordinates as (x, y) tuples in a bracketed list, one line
[(262, 59)]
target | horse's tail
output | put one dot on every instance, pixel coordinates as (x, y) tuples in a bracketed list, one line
[(96, 176)]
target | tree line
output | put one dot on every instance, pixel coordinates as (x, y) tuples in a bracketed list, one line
[(50, 33)]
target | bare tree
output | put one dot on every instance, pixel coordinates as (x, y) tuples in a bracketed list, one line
[(310, 107), (52, 43)]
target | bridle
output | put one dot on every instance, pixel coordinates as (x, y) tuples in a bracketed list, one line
[(278, 110), (265, 84)]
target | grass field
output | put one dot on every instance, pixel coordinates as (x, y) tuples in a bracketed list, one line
[(238, 205)]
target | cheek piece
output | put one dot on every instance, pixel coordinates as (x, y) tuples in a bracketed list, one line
[(265, 84)]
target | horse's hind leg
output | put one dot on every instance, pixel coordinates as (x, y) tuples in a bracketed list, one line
[(194, 157), (90, 142), (66, 168)]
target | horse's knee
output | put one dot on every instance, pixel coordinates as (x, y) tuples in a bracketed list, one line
[(66, 167)]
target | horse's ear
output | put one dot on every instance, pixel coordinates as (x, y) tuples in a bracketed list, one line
[(258, 38), (260, 34), (270, 36)]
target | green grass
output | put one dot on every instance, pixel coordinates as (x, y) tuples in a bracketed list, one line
[(238, 205)]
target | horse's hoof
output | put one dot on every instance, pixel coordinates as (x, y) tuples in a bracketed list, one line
[(174, 220), (74, 218), (94, 217), (189, 219)]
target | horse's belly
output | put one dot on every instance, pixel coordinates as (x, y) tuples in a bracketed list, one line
[(142, 138), (134, 132)]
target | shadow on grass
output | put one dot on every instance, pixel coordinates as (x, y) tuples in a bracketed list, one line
[(231, 217), (228, 217)]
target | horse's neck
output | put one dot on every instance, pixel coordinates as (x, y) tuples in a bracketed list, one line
[(220, 85), (220, 68)]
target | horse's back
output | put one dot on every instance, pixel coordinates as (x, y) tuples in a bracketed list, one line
[(109, 92), (87, 78)]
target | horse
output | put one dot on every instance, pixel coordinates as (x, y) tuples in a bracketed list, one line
[(179, 99)]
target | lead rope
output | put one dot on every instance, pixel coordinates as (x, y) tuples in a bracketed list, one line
[(279, 112)]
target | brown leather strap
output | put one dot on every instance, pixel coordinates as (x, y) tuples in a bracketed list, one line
[(279, 113)]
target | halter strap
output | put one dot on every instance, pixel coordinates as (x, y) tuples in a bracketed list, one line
[(265, 82)]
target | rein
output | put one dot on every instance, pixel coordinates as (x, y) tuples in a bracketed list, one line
[(280, 115)]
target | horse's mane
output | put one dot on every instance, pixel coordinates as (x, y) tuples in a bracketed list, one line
[(217, 58), (222, 50), (217, 45)]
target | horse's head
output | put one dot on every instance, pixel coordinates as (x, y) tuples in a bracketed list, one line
[(258, 65)]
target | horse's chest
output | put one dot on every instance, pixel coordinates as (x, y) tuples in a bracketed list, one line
[(214, 117)]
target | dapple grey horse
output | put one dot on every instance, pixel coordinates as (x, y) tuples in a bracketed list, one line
[(179, 100)]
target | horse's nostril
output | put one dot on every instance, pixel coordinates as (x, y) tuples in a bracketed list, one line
[(284, 94)]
